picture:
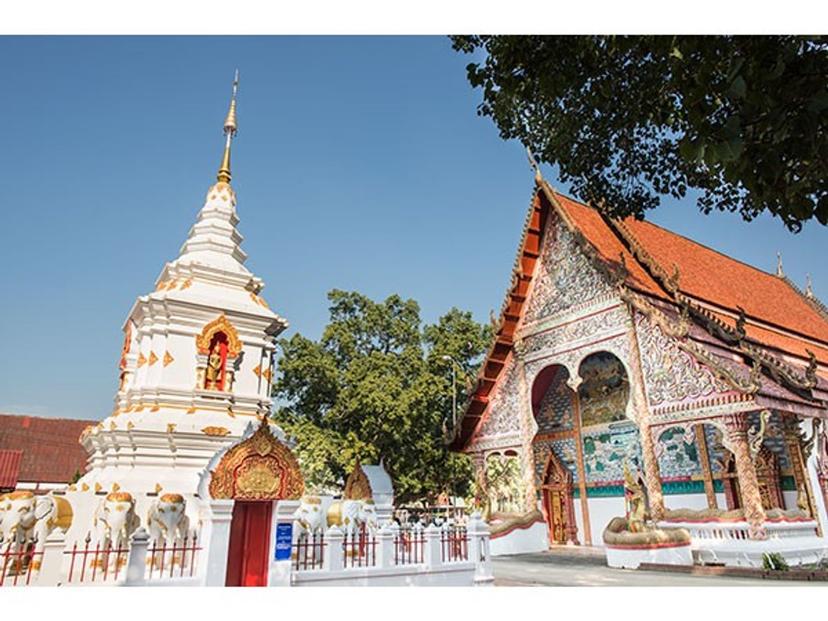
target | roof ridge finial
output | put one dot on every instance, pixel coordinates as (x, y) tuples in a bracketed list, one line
[(779, 271), (809, 287), (230, 129), (534, 164)]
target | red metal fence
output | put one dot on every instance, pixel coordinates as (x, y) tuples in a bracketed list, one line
[(359, 549), (409, 544), (18, 563), (96, 564), (454, 544), (175, 561), (308, 551)]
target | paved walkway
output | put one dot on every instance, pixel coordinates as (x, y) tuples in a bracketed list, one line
[(583, 566)]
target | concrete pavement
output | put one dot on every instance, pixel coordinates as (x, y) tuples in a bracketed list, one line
[(584, 566)]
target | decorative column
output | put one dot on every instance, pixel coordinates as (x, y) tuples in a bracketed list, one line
[(573, 382), (737, 432), (652, 473), (479, 464), (707, 473), (793, 442), (527, 435)]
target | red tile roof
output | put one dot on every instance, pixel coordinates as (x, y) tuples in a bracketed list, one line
[(712, 277), (50, 449), (9, 469)]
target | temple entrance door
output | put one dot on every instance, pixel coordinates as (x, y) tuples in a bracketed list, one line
[(558, 502), (248, 554)]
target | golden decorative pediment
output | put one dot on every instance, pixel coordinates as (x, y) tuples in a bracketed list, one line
[(222, 324), (258, 468)]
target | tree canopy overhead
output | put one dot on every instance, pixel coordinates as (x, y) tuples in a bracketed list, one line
[(375, 386), (628, 119)]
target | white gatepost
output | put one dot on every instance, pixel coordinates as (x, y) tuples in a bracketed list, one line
[(51, 561), (215, 541), (385, 547), (432, 554), (137, 558), (478, 533), (334, 559), (281, 572)]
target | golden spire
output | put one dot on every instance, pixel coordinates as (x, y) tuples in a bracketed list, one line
[(230, 128)]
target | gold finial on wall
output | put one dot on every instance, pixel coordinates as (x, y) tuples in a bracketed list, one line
[(230, 129)]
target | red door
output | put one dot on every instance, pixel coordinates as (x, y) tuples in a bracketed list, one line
[(248, 556)]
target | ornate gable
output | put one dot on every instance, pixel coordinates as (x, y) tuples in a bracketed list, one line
[(565, 277), (671, 375), (505, 409)]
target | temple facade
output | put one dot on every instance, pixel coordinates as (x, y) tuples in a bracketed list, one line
[(623, 348)]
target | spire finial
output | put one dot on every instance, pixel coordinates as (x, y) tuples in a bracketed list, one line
[(230, 129), (534, 164), (809, 287), (779, 271)]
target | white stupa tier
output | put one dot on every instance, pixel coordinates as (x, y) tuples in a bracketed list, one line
[(196, 367)]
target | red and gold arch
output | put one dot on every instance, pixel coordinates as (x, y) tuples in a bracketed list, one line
[(219, 326), (259, 468)]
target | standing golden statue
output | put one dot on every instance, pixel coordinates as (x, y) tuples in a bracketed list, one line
[(638, 515), (215, 367)]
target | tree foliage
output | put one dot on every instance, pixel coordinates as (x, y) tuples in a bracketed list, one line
[(376, 386), (628, 119)]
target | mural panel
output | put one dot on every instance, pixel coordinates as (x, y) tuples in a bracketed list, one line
[(604, 391), (605, 451), (555, 412)]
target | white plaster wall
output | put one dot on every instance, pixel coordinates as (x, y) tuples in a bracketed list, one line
[(721, 500), (685, 501), (601, 511), (521, 541)]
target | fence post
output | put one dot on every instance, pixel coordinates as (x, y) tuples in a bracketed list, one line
[(478, 532), (51, 559), (385, 547), (432, 554), (333, 559), (137, 558)]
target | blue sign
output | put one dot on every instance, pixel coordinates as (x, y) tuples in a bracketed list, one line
[(284, 541)]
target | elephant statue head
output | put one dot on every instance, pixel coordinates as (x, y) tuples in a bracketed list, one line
[(368, 515), (18, 517), (167, 520), (308, 515), (116, 520)]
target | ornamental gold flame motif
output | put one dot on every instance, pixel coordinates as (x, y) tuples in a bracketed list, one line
[(357, 487), (221, 324), (258, 468)]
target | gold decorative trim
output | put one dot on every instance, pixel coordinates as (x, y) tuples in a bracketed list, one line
[(141, 360), (222, 324), (152, 358), (258, 370), (168, 359), (216, 431)]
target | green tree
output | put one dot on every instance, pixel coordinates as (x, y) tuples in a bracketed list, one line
[(628, 119), (375, 386)]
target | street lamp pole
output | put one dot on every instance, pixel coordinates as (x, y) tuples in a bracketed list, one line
[(453, 390)]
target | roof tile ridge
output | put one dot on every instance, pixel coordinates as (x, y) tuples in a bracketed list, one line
[(812, 301)]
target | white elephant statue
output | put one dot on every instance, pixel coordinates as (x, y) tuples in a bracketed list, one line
[(115, 520), (309, 517), (350, 515), (167, 521), (26, 516)]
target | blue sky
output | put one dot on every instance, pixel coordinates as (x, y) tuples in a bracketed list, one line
[(360, 164)]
